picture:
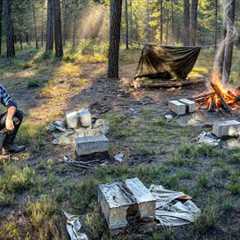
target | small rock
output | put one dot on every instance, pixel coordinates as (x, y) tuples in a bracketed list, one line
[(119, 157)]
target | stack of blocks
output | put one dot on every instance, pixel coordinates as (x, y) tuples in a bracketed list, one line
[(119, 198), (88, 144), (182, 106)]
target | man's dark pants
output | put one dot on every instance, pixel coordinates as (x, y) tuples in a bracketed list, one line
[(10, 136)]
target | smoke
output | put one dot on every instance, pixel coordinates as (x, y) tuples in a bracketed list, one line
[(92, 23), (231, 36)]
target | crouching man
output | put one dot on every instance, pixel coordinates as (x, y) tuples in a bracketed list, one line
[(10, 122)]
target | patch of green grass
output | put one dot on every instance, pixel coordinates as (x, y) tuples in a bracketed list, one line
[(203, 181), (164, 234), (33, 83), (41, 210), (207, 221), (6, 199), (9, 230), (234, 188), (16, 179), (33, 135)]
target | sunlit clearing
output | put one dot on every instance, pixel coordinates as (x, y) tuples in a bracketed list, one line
[(68, 70)]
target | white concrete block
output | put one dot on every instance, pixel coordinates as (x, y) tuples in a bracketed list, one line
[(119, 199), (85, 118), (91, 144), (114, 205), (177, 107), (191, 105), (144, 198), (72, 119), (229, 128)]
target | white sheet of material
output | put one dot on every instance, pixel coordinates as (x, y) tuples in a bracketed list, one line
[(73, 226), (171, 210)]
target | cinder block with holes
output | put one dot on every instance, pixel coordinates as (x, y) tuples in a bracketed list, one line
[(177, 107), (190, 105), (229, 128)]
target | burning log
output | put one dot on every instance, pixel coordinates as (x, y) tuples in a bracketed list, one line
[(220, 98)]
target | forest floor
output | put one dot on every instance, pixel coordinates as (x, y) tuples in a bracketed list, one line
[(37, 185)]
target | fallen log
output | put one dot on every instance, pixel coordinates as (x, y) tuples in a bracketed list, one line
[(166, 84)]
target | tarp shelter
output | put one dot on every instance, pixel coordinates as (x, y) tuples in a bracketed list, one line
[(166, 63)]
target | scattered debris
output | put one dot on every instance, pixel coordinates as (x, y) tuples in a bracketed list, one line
[(86, 164), (119, 157), (208, 138), (58, 125), (173, 208), (169, 116), (122, 202), (91, 144), (229, 128), (74, 226)]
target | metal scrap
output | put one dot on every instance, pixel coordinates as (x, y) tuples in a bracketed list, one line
[(73, 226)]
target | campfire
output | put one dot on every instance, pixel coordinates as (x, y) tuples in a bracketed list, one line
[(220, 97)]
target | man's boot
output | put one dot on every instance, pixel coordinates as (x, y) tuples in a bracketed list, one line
[(13, 148)]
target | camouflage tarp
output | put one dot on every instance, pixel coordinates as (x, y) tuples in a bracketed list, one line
[(166, 62)]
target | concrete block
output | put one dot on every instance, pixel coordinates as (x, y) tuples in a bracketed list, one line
[(85, 118), (229, 128), (121, 200), (72, 119), (91, 144), (177, 107), (144, 198), (114, 205), (191, 106)]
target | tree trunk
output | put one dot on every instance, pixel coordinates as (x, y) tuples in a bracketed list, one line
[(1, 8), (20, 41), (126, 23), (172, 20), (74, 32), (161, 21), (186, 33), (131, 21), (148, 32), (114, 38), (167, 26), (42, 24), (7, 4), (194, 21), (35, 25), (58, 29), (229, 44), (65, 20), (49, 38), (216, 24)]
